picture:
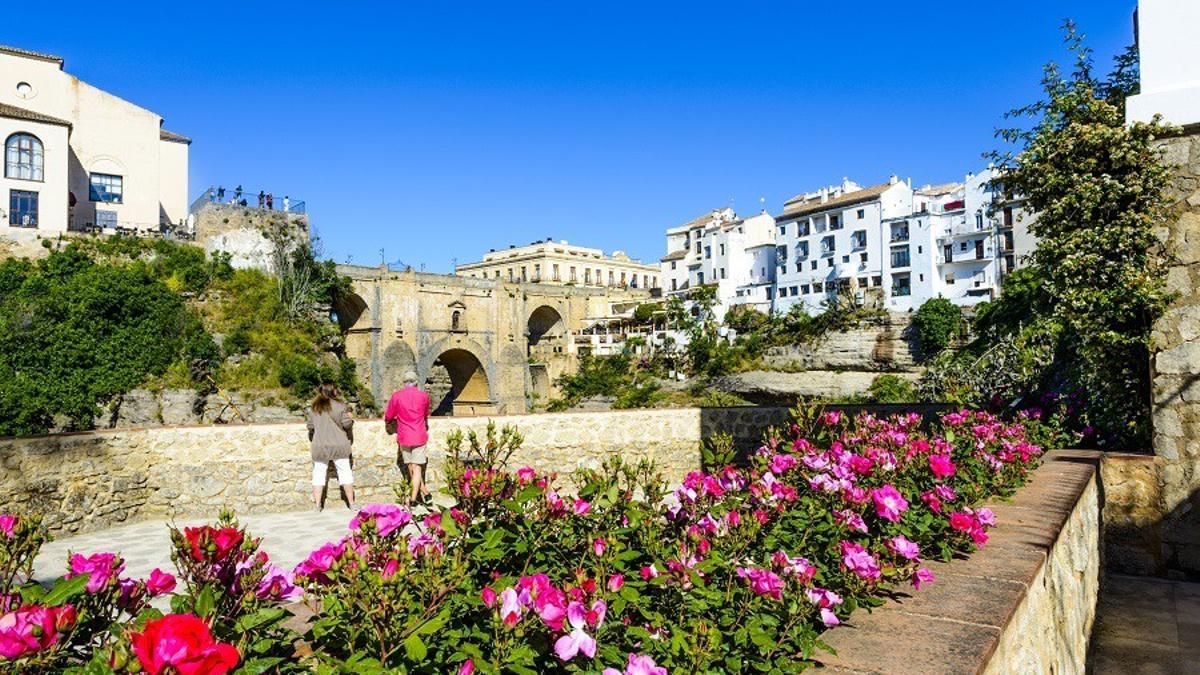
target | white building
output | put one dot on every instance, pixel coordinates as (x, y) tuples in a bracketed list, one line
[(557, 262), (832, 240), (735, 255), (77, 157), (1168, 52)]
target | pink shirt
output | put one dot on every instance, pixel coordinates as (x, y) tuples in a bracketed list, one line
[(409, 407)]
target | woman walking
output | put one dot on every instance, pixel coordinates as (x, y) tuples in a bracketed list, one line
[(330, 428), (408, 409)]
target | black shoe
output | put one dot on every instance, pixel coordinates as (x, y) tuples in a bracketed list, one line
[(427, 501)]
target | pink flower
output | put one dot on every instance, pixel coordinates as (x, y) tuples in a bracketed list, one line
[(781, 464), (582, 506), (599, 546), (387, 517), (278, 585), (467, 668), (649, 572), (889, 503), (828, 617), (159, 582), (511, 607), (921, 577), (932, 501), (104, 569), (8, 524), (615, 582), (963, 522), (941, 466), (577, 640), (488, 596), (425, 544), (825, 602), (831, 417), (945, 492), (856, 559), (850, 519), (901, 546), (390, 568), (321, 561), (526, 474), (985, 516), (638, 665), (31, 629), (762, 582)]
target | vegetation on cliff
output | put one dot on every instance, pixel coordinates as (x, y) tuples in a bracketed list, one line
[(97, 318)]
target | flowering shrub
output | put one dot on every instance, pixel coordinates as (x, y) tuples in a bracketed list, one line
[(739, 568)]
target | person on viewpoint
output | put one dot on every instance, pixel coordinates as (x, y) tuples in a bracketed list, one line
[(409, 409), (330, 429)]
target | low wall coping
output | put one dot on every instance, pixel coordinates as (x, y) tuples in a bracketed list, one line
[(955, 624)]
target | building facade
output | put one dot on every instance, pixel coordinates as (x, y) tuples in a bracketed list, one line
[(558, 262), (77, 157), (734, 255)]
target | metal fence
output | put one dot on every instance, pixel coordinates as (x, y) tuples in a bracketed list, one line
[(236, 196)]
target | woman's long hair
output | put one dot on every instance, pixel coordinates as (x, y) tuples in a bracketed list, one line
[(326, 394)]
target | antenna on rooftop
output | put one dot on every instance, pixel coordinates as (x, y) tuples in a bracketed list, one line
[(382, 260)]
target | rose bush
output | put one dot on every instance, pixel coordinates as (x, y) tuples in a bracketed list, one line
[(738, 569)]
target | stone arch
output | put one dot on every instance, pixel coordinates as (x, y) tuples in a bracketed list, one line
[(545, 323), (398, 358), (458, 377), (349, 309)]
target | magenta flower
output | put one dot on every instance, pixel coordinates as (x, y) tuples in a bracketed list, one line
[(278, 585), (649, 572), (582, 506), (388, 518), (320, 561), (103, 568), (762, 582), (526, 475), (904, 548), (33, 628), (850, 519), (599, 546), (511, 607), (615, 582), (856, 559), (159, 582), (889, 503), (985, 516), (8, 524), (578, 640), (467, 668), (941, 466), (825, 601), (638, 665), (922, 577), (425, 544), (488, 596), (963, 522)]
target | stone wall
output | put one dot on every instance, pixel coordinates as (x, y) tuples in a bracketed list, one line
[(1176, 364), (886, 345), (1024, 603), (241, 232), (88, 481)]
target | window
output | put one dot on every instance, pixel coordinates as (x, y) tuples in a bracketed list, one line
[(22, 208), (106, 188), (782, 230), (674, 284), (573, 277), (794, 289), (858, 239), (920, 249), (813, 265), (722, 272), (106, 219), (900, 231), (700, 278), (802, 249), (673, 263), (900, 257), (799, 265), (876, 281), (782, 292), (827, 245), (23, 157), (803, 229), (835, 223), (707, 251), (950, 278), (862, 213), (804, 288), (554, 272), (845, 258), (863, 256), (721, 249), (979, 220), (901, 285), (829, 262), (781, 254), (587, 274)]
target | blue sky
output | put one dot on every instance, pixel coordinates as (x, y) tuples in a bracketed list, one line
[(439, 130)]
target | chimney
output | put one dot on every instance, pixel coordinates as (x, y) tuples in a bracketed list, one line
[(909, 181), (824, 195), (893, 179)]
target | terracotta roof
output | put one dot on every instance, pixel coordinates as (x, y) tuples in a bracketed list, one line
[(17, 51), (675, 255), (165, 135), (13, 112), (793, 208)]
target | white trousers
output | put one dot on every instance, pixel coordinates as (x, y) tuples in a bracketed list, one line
[(344, 473)]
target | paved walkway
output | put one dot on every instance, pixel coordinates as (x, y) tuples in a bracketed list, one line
[(1146, 626), (287, 537)]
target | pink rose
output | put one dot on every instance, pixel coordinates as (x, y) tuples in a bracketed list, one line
[(615, 582), (904, 548), (941, 466), (889, 503), (922, 577), (103, 568), (159, 582)]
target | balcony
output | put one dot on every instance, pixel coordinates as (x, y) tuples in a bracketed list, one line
[(967, 257), (899, 236), (219, 195), (901, 291)]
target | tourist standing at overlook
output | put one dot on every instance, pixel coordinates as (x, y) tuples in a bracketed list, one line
[(330, 429), (408, 410)]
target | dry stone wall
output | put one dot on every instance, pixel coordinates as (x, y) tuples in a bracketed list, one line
[(1176, 384), (883, 346), (88, 481)]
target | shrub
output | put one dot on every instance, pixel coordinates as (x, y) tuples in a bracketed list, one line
[(936, 322), (891, 389)]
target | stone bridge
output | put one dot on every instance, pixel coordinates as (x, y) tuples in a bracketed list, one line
[(481, 346)]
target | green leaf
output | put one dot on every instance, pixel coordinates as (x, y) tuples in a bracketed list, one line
[(259, 665), (65, 589), (205, 603), (263, 616), (414, 648)]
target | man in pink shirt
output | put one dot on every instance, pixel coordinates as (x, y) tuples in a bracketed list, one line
[(409, 409)]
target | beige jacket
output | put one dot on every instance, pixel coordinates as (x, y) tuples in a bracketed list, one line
[(331, 432)]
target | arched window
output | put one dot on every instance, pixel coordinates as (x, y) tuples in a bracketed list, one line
[(23, 157)]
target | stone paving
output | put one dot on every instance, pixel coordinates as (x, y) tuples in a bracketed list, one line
[(1146, 626), (287, 537)]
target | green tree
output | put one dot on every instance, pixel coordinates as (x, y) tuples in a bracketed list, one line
[(935, 322), (1098, 188)]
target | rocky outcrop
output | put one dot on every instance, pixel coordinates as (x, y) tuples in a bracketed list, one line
[(141, 408), (770, 387), (883, 346)]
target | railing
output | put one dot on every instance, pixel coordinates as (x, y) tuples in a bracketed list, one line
[(125, 228), (237, 197), (899, 236), (901, 291)]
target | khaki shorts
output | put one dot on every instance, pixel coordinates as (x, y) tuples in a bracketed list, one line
[(413, 455)]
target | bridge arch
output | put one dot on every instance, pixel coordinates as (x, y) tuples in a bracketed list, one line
[(459, 377), (348, 310)]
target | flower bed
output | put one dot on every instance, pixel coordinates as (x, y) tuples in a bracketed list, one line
[(736, 570)]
